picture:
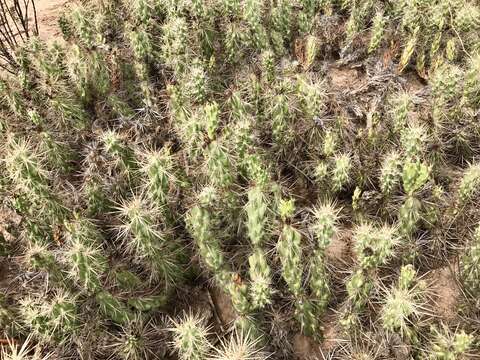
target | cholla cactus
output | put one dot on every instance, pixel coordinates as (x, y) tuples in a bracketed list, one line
[(451, 49), (234, 40), (306, 16), (252, 14), (407, 277), (408, 49), (218, 165), (147, 242), (141, 44), (281, 117), (359, 287), (59, 155), (234, 101), (471, 86), (15, 352), (127, 280), (257, 170), (190, 337), (256, 228), (158, 167), (414, 176), (403, 304), (175, 43), (242, 137), (290, 253), (13, 99), (55, 319), (435, 45), (260, 288), (448, 345), (113, 308), (136, 340), (85, 254), (231, 7), (25, 168), (341, 172), (357, 17), (240, 346), (470, 265), (121, 152), (96, 196), (286, 209), (35, 117), (312, 97), (311, 51), (378, 28), (329, 143), (467, 17), (200, 226), (212, 119), (39, 257), (143, 10), (238, 291), (282, 17), (321, 171), (197, 82), (469, 183), (402, 104), (82, 22), (325, 226), (306, 315), (249, 326), (256, 210), (409, 215), (70, 111), (374, 245), (445, 84), (413, 140), (390, 172), (319, 282), (119, 107), (268, 64)]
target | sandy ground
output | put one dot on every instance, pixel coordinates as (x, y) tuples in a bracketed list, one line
[(48, 12)]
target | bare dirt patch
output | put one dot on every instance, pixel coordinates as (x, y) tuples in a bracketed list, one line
[(332, 334), (339, 249), (223, 307), (305, 348), (445, 293), (345, 78), (48, 12)]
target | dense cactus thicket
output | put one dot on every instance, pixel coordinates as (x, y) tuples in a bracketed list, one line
[(243, 180)]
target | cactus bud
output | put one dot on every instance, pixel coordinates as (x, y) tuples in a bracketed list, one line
[(374, 246), (341, 172), (390, 172), (469, 183), (378, 28), (260, 288), (290, 253), (113, 308), (190, 337)]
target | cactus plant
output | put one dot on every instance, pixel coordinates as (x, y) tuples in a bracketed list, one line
[(450, 345), (195, 156), (403, 304), (190, 337)]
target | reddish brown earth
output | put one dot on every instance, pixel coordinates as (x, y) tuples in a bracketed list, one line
[(48, 12), (445, 293)]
